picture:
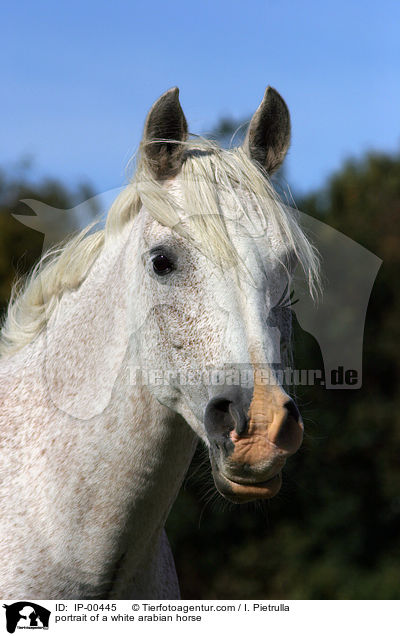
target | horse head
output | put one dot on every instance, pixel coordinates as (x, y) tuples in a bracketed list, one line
[(217, 252)]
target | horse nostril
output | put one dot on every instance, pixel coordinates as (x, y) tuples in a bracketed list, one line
[(286, 431), (223, 415), (217, 419), (292, 410), (221, 405)]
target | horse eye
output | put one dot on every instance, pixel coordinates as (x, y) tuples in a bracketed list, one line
[(162, 265)]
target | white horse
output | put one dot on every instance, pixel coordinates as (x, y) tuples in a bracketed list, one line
[(129, 344)]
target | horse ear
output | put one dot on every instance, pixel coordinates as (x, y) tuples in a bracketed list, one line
[(164, 129), (268, 137)]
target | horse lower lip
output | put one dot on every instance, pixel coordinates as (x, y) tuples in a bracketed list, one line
[(259, 484), (239, 492)]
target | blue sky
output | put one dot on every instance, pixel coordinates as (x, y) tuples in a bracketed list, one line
[(79, 77)]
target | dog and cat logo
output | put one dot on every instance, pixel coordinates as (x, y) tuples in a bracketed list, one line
[(26, 615)]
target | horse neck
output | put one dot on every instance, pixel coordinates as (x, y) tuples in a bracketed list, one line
[(108, 480)]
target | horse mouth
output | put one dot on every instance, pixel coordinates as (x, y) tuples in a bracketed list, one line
[(243, 491)]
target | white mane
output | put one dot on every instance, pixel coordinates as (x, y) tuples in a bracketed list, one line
[(207, 171)]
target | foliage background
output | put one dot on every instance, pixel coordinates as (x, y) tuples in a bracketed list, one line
[(332, 532)]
